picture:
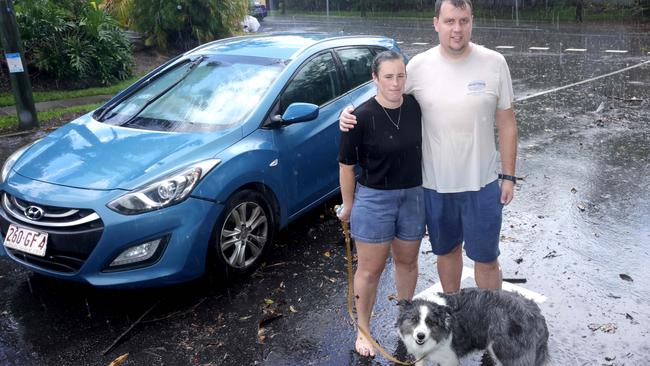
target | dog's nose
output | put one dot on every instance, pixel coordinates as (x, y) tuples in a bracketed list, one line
[(420, 336)]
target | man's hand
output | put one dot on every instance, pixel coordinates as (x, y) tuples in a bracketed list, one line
[(507, 191), (347, 120)]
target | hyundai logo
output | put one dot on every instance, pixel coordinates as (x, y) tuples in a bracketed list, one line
[(34, 213)]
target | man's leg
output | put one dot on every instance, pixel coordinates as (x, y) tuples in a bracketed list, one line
[(450, 269), (444, 225), (482, 227), (488, 275)]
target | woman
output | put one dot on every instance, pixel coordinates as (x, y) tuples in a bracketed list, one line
[(386, 209)]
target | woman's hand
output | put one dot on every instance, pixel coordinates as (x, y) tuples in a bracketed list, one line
[(343, 213)]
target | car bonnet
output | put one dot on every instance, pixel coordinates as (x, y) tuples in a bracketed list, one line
[(91, 155)]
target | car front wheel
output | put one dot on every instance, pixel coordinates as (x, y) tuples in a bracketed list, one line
[(244, 232)]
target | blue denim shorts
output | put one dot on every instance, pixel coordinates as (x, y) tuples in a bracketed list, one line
[(473, 217), (380, 215)]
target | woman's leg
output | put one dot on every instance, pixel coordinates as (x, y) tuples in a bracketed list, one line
[(371, 259), (405, 255)]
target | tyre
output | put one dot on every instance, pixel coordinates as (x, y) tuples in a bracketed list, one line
[(243, 234)]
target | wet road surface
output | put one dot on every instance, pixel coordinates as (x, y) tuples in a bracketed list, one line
[(578, 231)]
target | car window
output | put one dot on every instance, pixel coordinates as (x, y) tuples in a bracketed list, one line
[(317, 82), (357, 64), (219, 93)]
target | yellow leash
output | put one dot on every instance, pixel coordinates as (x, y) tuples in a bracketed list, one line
[(348, 250)]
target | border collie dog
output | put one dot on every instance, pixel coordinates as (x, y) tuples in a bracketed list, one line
[(449, 326)]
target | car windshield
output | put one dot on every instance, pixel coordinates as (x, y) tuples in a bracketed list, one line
[(204, 94)]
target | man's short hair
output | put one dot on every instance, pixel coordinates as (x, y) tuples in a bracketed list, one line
[(456, 3)]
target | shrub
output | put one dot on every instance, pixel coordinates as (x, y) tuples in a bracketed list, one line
[(73, 40), (186, 23)]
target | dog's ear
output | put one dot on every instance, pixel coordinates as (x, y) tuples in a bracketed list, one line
[(447, 319)]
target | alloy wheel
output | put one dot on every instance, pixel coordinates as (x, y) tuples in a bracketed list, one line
[(244, 235)]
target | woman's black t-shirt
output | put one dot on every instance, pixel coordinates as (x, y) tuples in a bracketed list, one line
[(390, 157)]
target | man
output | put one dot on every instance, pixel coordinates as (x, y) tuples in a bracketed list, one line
[(464, 90)]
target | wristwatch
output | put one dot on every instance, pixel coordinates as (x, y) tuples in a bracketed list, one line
[(511, 178)]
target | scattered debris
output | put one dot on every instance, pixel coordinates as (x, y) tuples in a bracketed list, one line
[(292, 309), (613, 296), (628, 100), (270, 314), (573, 190), (551, 254), (625, 277), (581, 207), (607, 358), (514, 280), (519, 260), (119, 338), (507, 238), (600, 108), (327, 254), (268, 301), (177, 313), (392, 297), (242, 318), (119, 360), (606, 328)]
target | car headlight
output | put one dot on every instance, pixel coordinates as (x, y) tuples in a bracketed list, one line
[(164, 192), (12, 159)]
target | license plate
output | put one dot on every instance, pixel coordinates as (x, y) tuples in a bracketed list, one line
[(26, 240)]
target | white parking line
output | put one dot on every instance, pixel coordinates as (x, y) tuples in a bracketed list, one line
[(575, 50), (505, 47), (400, 42), (538, 48), (419, 43), (469, 273), (583, 81), (616, 51)]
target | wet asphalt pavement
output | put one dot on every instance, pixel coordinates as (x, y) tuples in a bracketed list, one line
[(578, 231)]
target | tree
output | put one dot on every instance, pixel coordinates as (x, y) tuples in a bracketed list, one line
[(185, 23)]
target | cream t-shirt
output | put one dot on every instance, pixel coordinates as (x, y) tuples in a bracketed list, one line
[(459, 99)]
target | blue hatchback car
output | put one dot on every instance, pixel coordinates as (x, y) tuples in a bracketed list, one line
[(195, 166)]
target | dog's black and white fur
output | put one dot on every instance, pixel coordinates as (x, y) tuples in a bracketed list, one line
[(450, 326)]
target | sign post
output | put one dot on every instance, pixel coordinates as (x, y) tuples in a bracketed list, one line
[(20, 84)]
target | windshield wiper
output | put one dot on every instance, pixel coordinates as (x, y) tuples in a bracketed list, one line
[(193, 64)]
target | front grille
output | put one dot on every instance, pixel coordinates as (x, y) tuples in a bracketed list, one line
[(72, 233), (49, 216)]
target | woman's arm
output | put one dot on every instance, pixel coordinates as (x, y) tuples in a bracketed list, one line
[(348, 182)]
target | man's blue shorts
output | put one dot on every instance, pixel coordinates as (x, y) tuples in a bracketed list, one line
[(473, 217), (380, 215)]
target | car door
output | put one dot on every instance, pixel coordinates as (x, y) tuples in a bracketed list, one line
[(308, 150)]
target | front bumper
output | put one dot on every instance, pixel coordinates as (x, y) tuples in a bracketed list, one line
[(84, 253)]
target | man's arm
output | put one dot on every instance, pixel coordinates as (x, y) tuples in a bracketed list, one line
[(507, 130), (347, 120)]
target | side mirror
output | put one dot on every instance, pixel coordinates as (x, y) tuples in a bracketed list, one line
[(297, 112)]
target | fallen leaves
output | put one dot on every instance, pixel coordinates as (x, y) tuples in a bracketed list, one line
[(625, 277), (119, 360), (606, 328)]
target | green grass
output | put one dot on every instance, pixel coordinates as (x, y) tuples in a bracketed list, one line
[(11, 122), (7, 99)]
